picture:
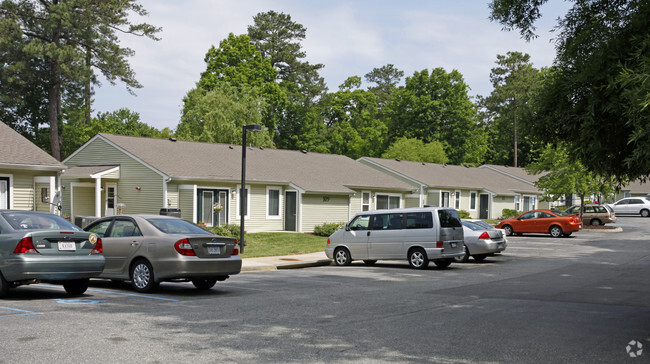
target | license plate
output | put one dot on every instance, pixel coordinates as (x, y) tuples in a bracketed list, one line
[(453, 245), (214, 250), (67, 245)]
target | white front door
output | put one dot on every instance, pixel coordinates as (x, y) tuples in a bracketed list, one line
[(4, 194), (111, 199)]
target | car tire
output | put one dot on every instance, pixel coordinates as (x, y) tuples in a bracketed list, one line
[(369, 262), (76, 287), (508, 230), (4, 286), (204, 284), (555, 231), (142, 276), (418, 258), (342, 257), (442, 263), (479, 257), (464, 258), (645, 213), (595, 222)]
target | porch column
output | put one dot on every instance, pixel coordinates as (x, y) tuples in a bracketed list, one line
[(98, 197)]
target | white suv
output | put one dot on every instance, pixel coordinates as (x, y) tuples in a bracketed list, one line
[(632, 206)]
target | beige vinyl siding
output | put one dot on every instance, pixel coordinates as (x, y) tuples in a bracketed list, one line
[(172, 195), (257, 221), (316, 211), (147, 200), (23, 192), (501, 202)]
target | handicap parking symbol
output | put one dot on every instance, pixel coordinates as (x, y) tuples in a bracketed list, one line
[(77, 301)]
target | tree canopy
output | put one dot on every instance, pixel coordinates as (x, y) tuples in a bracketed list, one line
[(51, 49), (596, 98)]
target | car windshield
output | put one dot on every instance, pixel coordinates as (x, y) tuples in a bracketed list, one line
[(37, 221), (177, 226)]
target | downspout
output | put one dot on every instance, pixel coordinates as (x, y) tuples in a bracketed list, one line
[(98, 197)]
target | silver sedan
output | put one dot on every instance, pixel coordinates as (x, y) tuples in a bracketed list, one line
[(481, 241), (149, 249), (39, 247)]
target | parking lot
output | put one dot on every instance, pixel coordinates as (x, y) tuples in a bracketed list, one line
[(577, 299)]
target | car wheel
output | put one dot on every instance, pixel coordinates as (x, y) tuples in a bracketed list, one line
[(442, 263), (595, 222), (555, 231), (142, 276), (508, 230), (369, 262), (645, 213), (464, 258), (479, 257), (418, 258), (77, 286), (4, 287), (204, 284), (342, 256)]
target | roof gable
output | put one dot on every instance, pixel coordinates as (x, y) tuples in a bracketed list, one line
[(16, 151)]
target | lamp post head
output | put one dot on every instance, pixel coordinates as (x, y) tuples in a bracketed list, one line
[(252, 127)]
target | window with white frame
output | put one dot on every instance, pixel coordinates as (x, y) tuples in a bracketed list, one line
[(273, 202), (387, 202), (472, 201), (529, 203), (517, 203), (457, 200), (365, 201), (444, 199)]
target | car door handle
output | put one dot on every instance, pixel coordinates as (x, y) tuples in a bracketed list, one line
[(135, 243), (368, 234)]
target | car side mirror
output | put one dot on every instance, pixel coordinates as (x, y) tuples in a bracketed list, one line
[(347, 227)]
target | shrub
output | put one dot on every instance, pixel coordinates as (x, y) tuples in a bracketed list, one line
[(231, 230), (463, 214), (328, 229), (509, 213)]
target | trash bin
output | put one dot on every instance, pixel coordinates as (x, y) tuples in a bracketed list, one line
[(170, 212), (83, 221)]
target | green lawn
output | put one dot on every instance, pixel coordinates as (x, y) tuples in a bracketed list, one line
[(274, 244)]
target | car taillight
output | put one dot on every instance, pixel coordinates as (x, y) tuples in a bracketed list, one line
[(485, 235), (235, 249), (571, 221), (183, 247), (438, 244), (25, 246), (328, 241), (99, 247)]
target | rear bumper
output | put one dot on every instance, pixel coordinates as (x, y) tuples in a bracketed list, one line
[(487, 246), (52, 268), (193, 267), (436, 253)]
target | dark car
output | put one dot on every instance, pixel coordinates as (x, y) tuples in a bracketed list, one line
[(39, 247)]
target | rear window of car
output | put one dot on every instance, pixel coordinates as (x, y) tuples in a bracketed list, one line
[(37, 221), (560, 213), (449, 218), (177, 226)]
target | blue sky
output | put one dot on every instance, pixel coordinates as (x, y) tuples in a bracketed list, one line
[(349, 37)]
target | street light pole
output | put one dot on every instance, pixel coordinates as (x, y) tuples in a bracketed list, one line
[(242, 191)]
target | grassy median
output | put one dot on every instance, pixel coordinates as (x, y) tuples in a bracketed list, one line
[(275, 244)]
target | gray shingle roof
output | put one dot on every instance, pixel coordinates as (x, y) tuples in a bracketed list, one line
[(453, 177), (86, 171), (16, 151), (312, 172), (515, 172)]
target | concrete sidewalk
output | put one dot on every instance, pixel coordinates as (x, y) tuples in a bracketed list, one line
[(285, 262)]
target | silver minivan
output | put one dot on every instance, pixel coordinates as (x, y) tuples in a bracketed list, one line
[(415, 234)]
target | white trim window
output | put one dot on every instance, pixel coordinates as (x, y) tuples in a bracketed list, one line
[(387, 201), (529, 203), (457, 200), (247, 213), (444, 198), (517, 203), (472, 201), (365, 201), (273, 202)]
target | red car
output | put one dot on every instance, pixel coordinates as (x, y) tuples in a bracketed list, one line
[(555, 223)]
